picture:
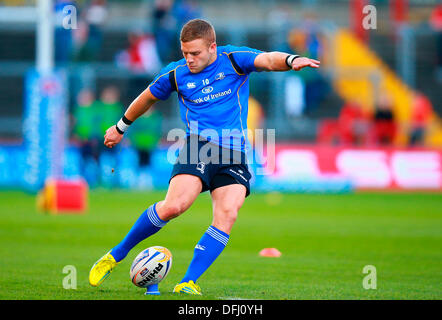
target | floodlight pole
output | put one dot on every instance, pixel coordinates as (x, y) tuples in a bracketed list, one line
[(45, 36)]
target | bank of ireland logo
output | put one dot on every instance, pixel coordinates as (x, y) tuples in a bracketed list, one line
[(206, 90), (200, 167), (190, 85)]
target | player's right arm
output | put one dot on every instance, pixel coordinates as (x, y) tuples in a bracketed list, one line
[(138, 107), (159, 89)]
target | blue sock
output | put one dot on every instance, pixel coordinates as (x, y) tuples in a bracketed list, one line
[(146, 225), (211, 244)]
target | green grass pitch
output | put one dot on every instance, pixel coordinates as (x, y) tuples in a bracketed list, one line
[(325, 240)]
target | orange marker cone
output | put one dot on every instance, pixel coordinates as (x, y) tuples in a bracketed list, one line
[(270, 252)]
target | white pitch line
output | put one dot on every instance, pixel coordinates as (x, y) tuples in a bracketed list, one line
[(236, 298)]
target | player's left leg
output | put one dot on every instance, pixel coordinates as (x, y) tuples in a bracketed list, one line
[(227, 200)]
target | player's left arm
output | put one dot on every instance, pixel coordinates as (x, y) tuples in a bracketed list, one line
[(279, 61)]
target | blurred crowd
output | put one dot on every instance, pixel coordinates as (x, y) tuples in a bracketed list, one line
[(149, 46), (81, 42), (355, 126)]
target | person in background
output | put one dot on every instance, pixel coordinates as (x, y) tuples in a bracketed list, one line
[(109, 107), (436, 25), (86, 133), (164, 27), (145, 135), (353, 124), (421, 117), (306, 42), (141, 56), (384, 127), (94, 17), (185, 10), (62, 36), (167, 18)]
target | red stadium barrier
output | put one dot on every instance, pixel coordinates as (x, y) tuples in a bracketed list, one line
[(367, 168)]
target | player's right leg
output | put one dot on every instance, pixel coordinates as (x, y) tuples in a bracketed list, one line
[(182, 192)]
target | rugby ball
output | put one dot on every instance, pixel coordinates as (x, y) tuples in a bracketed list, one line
[(150, 266)]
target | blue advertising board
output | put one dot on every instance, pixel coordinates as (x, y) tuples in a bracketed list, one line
[(44, 127)]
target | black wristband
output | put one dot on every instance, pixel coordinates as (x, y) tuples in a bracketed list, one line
[(123, 124), (126, 120), (118, 130), (290, 57)]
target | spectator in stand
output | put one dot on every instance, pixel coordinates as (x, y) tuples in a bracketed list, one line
[(145, 134), (86, 116), (307, 42), (421, 117), (92, 118), (436, 24), (353, 124), (109, 107), (86, 133), (185, 10), (168, 16), (164, 26), (384, 126), (62, 36), (141, 56), (90, 35)]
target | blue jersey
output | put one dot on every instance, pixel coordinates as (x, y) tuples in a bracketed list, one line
[(214, 102)]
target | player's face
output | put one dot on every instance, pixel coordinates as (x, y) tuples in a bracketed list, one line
[(198, 54)]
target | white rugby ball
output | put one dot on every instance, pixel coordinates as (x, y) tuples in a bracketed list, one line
[(150, 266)]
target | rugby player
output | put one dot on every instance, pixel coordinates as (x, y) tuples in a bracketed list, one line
[(212, 84)]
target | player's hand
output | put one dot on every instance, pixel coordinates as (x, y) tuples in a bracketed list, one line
[(303, 62), (112, 137)]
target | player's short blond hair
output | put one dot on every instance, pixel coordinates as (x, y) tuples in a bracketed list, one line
[(198, 29)]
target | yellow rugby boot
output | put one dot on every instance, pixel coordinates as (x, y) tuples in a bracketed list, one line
[(102, 269), (188, 287)]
